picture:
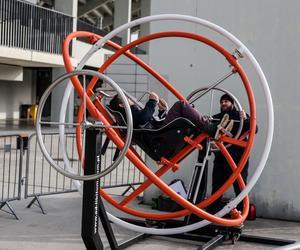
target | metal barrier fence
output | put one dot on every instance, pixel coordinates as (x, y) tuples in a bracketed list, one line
[(41, 179), (27, 26), (126, 174), (11, 155)]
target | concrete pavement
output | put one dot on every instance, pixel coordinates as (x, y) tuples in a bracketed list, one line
[(60, 229)]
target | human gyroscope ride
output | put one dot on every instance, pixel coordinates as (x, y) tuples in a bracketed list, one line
[(95, 117)]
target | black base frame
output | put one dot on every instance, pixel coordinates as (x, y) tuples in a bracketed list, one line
[(93, 209), (212, 236)]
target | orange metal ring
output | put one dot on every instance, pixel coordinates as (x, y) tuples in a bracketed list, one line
[(153, 177)]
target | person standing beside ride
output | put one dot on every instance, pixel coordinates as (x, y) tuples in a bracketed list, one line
[(221, 168)]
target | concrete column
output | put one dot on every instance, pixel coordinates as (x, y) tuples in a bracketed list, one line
[(122, 15), (31, 1), (69, 7), (145, 28), (57, 95)]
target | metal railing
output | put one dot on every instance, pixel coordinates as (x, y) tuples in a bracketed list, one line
[(11, 155), (41, 179), (27, 26), (125, 175)]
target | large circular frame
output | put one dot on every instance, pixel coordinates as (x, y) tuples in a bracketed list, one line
[(263, 81), (233, 61), (106, 127)]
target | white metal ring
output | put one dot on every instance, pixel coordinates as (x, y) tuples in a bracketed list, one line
[(127, 143), (270, 114)]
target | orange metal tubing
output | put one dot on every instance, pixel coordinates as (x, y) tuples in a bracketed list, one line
[(154, 178)]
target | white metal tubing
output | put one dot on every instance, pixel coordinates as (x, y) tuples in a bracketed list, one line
[(270, 114), (62, 140), (67, 163)]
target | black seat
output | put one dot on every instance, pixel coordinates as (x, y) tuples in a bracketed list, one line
[(160, 142)]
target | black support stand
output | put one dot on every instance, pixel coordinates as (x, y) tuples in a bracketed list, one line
[(90, 200), (266, 240), (92, 204)]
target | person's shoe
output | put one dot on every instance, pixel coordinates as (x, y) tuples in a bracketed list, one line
[(224, 127), (228, 128)]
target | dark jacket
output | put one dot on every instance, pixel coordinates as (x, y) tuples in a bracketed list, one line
[(143, 118)]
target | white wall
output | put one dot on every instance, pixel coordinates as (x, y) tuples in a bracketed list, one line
[(273, 37), (129, 76)]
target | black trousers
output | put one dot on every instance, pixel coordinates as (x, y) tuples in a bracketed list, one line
[(221, 173)]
